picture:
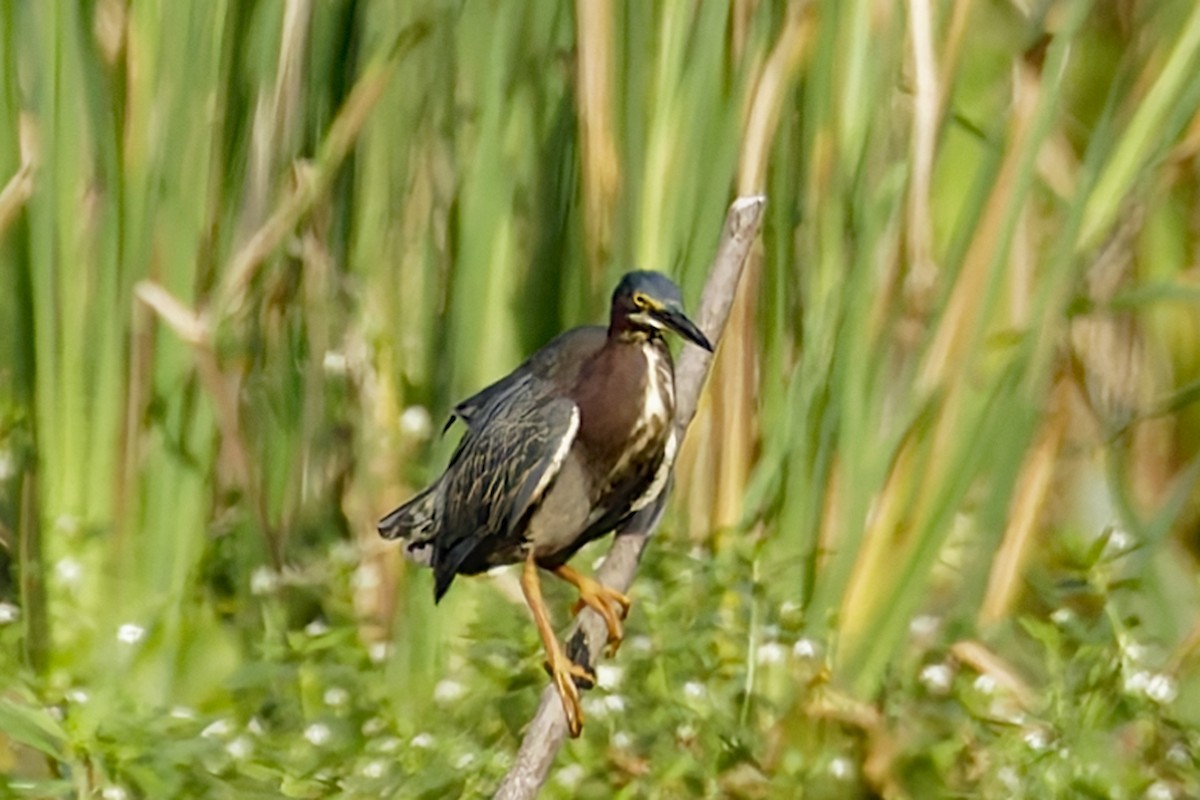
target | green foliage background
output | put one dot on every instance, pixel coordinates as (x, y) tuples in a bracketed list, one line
[(933, 529)]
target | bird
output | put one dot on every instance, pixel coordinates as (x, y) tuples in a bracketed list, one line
[(561, 451)]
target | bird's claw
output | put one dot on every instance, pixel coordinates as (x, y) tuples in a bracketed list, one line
[(569, 678), (583, 677), (611, 605)]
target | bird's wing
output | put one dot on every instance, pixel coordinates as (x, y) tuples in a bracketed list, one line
[(558, 362), (469, 410), (514, 446), (415, 523)]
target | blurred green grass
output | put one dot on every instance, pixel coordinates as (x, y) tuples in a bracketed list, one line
[(934, 528)]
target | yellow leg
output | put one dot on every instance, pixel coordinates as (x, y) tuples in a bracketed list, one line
[(562, 669), (608, 603)]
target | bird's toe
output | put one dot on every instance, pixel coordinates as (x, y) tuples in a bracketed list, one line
[(581, 675), (569, 678)]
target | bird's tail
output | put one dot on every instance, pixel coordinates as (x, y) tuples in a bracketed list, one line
[(416, 523)]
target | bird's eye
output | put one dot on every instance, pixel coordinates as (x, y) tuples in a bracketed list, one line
[(640, 300)]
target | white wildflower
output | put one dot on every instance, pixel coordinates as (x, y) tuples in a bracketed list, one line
[(806, 649), (1037, 739), (608, 676), (1137, 681), (984, 683), (415, 422), (68, 571), (1062, 616), (925, 626), (1178, 754), (771, 653), (1134, 651), (318, 734), (345, 552), (240, 748), (263, 580), (1120, 541), (594, 707), (366, 577), (130, 633), (1160, 790), (67, 523), (217, 728), (1162, 688), (390, 744), (937, 678), (841, 768), (447, 691), (334, 362), (641, 644), (9, 613), (569, 777)]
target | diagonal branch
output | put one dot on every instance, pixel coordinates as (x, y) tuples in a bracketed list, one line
[(548, 729)]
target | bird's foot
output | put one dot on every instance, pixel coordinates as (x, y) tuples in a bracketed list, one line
[(611, 605), (584, 677), (568, 678)]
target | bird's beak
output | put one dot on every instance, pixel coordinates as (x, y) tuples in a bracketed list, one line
[(677, 321)]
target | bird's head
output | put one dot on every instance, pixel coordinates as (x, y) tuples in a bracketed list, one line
[(647, 303)]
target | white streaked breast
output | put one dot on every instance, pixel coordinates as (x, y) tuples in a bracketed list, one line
[(660, 477), (653, 406)]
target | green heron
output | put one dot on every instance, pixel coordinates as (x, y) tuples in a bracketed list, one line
[(560, 452)]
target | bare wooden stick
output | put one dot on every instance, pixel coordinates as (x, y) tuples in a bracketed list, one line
[(548, 729)]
